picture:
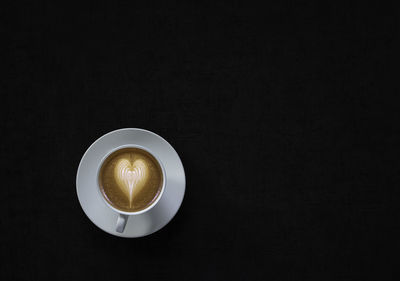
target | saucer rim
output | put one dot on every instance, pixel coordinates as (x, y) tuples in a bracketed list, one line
[(131, 129)]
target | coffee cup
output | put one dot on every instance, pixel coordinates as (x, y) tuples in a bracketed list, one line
[(131, 181)]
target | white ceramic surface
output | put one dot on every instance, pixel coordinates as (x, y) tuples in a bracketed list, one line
[(138, 225)]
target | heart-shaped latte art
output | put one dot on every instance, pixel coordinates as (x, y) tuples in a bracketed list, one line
[(131, 178)]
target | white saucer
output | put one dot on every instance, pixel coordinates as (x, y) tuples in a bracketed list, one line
[(138, 225)]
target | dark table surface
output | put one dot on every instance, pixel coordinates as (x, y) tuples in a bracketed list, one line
[(278, 113)]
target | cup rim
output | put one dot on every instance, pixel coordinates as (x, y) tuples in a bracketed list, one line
[(162, 170)]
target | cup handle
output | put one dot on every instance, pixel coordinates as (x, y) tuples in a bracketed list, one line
[(121, 223)]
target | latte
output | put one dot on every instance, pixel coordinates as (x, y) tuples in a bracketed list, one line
[(130, 179)]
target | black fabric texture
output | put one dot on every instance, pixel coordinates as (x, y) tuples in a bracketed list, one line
[(280, 115)]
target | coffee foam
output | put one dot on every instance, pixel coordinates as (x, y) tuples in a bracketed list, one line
[(131, 177)]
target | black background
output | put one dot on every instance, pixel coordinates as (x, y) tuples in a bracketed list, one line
[(279, 114)]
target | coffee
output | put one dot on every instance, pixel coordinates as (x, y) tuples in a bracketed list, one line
[(130, 179)]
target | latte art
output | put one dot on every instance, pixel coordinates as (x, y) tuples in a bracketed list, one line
[(130, 179)]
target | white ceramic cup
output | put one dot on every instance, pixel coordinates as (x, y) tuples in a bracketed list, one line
[(124, 216)]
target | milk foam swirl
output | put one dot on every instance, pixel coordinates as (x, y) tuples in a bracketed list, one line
[(131, 178)]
